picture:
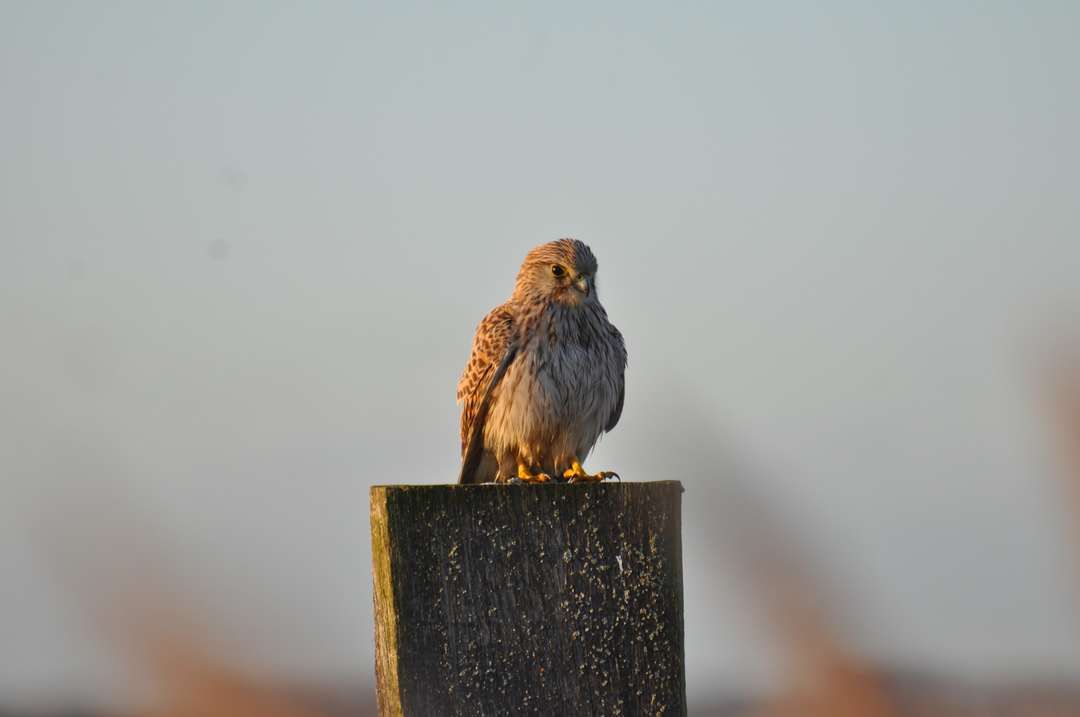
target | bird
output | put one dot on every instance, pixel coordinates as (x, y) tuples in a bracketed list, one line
[(546, 375)]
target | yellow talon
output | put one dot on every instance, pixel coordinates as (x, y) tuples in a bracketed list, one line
[(525, 476), (577, 474)]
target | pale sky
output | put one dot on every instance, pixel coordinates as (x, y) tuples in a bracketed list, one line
[(245, 247)]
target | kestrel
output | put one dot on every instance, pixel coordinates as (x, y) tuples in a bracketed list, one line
[(545, 377)]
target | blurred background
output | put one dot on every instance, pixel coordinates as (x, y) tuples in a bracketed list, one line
[(245, 247)]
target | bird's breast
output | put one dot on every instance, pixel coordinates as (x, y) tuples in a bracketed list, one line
[(560, 391)]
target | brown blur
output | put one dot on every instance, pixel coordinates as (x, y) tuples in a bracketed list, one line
[(836, 682), (190, 683)]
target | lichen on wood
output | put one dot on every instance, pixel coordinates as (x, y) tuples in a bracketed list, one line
[(530, 599)]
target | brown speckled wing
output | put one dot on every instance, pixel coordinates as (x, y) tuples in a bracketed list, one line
[(489, 346)]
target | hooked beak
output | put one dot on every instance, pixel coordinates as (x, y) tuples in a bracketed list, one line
[(584, 285)]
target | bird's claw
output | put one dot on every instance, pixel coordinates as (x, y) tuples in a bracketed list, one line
[(529, 478), (582, 477)]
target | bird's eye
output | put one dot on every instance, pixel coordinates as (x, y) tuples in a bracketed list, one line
[(557, 270)]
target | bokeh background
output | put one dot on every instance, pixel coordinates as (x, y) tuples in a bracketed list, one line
[(245, 246)]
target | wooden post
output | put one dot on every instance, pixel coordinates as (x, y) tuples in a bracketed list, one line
[(549, 599)]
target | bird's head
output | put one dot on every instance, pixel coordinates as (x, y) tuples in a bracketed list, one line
[(563, 270)]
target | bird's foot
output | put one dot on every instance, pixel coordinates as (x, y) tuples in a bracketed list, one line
[(577, 474), (524, 476)]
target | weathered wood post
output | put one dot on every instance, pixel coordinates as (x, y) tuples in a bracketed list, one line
[(551, 599)]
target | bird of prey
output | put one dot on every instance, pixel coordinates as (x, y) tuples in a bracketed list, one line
[(546, 375)]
